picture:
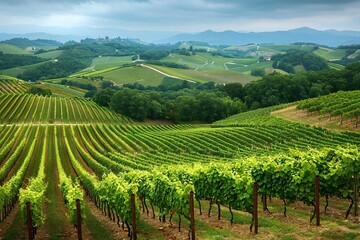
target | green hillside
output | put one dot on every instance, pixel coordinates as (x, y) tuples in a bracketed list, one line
[(50, 55), (193, 61), (138, 74), (11, 49), (355, 54), (10, 85), (218, 76), (101, 63), (49, 145), (339, 111), (330, 54), (14, 72)]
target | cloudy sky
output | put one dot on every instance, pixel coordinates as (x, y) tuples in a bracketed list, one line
[(185, 15)]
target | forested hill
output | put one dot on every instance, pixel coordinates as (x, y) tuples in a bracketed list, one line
[(25, 42), (308, 60), (209, 102)]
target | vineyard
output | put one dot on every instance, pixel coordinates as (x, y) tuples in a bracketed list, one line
[(55, 151), (346, 105)]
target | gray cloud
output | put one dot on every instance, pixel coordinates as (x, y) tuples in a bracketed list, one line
[(185, 15)]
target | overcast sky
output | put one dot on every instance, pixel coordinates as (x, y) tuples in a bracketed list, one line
[(185, 15)]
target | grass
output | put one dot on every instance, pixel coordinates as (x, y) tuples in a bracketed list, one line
[(299, 69), (205, 231), (50, 55), (206, 61), (187, 46), (251, 47), (218, 76), (204, 68), (330, 54), (19, 70), (61, 90), (147, 232), (11, 49), (336, 66), (99, 72), (275, 226), (97, 231), (355, 54), (55, 224), (100, 63), (138, 74), (279, 48), (13, 231), (246, 69)]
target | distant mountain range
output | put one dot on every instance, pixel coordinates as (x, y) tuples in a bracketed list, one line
[(328, 37), (63, 35)]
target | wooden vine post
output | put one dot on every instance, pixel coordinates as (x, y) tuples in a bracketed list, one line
[(133, 213), (29, 221), (256, 220), (356, 197), (317, 199), (78, 214), (192, 215)]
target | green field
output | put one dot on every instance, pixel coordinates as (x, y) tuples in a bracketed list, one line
[(187, 45), (330, 54), (202, 66), (11, 49), (50, 55), (104, 62), (137, 74), (218, 76), (276, 48), (355, 54), (205, 61), (14, 72), (62, 91), (299, 69), (336, 66)]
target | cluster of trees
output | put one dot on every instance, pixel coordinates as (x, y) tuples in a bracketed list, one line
[(25, 42), (179, 106), (72, 59), (234, 53), (39, 91), (258, 72), (167, 84), (168, 64), (185, 52), (308, 60), (93, 78), (209, 102), (15, 60), (278, 88), (153, 54), (349, 50), (55, 69), (86, 86)]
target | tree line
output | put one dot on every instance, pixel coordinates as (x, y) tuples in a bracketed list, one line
[(278, 88), (183, 105), (209, 102), (16, 60), (308, 60)]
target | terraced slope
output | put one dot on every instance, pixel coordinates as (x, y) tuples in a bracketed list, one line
[(112, 158)]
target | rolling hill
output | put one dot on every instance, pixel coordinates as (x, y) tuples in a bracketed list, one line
[(51, 144), (330, 38)]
